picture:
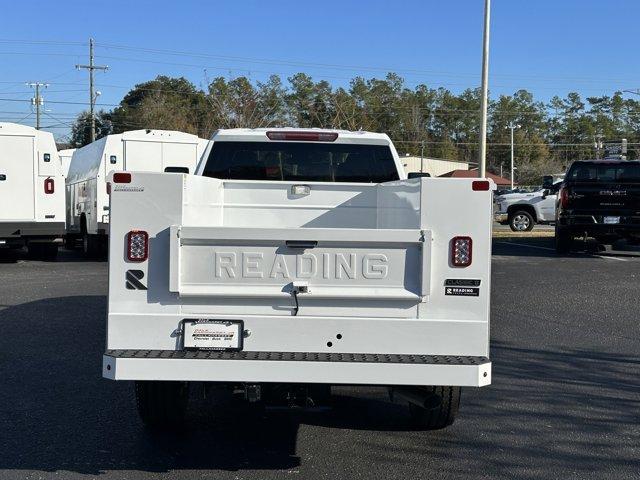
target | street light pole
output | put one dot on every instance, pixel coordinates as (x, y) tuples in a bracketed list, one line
[(512, 126), (482, 161)]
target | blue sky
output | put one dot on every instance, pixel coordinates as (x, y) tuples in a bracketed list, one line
[(548, 47)]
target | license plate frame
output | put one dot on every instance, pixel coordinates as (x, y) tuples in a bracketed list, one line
[(217, 330), (611, 220)]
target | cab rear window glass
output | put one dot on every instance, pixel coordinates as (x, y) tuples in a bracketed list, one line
[(296, 161), (590, 172)]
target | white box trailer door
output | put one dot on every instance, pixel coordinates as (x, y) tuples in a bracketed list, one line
[(16, 178)]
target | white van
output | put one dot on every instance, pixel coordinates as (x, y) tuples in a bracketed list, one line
[(137, 150), (65, 160), (31, 190)]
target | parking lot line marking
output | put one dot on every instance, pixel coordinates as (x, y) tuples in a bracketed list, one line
[(525, 245), (612, 258)]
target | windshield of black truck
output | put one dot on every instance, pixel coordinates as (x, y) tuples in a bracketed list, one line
[(605, 173), (309, 162)]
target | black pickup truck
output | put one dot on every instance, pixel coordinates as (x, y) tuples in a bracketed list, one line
[(601, 199)]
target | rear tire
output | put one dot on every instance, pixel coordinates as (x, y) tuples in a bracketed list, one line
[(42, 251), (90, 245), (564, 239), (521, 221), (162, 405), (440, 416)]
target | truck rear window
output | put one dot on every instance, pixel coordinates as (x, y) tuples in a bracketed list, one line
[(311, 162), (605, 172)]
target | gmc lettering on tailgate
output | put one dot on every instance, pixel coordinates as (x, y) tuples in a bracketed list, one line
[(307, 265)]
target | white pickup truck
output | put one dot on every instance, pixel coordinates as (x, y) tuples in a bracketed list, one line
[(521, 211), (292, 261)]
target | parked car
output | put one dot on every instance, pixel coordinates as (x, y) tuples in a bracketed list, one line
[(601, 199), (31, 191), (521, 211), (292, 261)]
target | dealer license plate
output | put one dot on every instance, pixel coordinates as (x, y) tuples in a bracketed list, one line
[(207, 334), (611, 220)]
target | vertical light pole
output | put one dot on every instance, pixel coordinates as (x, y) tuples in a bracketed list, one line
[(482, 161), (512, 126)]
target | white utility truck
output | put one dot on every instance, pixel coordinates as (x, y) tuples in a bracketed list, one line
[(31, 191), (137, 150), (292, 261)]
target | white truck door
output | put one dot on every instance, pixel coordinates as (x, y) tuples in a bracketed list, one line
[(17, 178), (179, 157), (142, 156), (547, 208)]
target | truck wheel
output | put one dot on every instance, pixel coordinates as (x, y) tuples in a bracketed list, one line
[(162, 405), (441, 415), (90, 246), (564, 239), (521, 221), (42, 251), (70, 242)]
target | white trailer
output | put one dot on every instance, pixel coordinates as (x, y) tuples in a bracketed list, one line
[(138, 150), (65, 160), (293, 260), (31, 190)]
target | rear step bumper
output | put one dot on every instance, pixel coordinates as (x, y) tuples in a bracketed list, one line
[(296, 367)]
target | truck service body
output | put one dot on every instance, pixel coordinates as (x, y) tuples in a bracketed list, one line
[(139, 150), (31, 190), (270, 267)]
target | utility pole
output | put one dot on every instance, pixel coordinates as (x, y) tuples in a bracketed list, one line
[(37, 101), (512, 126), (92, 97), (422, 156), (482, 161)]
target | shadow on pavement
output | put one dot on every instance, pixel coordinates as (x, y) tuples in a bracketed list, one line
[(550, 410)]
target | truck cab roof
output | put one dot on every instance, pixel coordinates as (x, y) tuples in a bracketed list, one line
[(260, 134)]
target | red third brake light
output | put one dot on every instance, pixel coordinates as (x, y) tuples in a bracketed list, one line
[(461, 251), (49, 186), (480, 185), (137, 246), (122, 177), (303, 136)]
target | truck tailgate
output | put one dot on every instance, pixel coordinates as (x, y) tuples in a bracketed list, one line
[(390, 264)]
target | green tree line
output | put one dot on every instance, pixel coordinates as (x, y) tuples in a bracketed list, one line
[(421, 120)]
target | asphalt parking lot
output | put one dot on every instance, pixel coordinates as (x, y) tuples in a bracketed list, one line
[(565, 399)]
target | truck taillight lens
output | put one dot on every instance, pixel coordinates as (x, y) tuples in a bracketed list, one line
[(122, 177), (49, 186), (564, 197), (480, 185), (137, 246), (461, 251)]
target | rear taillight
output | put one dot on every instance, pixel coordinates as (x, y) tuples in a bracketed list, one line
[(49, 186), (564, 197), (122, 177), (480, 185), (461, 251), (137, 246), (303, 136)]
